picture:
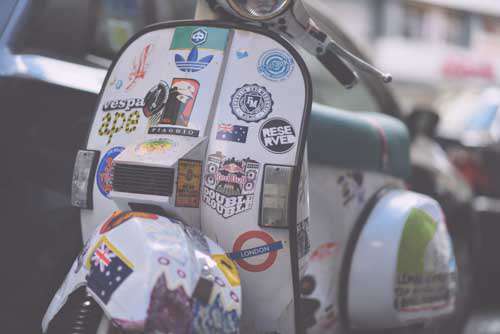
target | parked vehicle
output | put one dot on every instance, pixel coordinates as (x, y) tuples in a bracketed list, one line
[(195, 186)]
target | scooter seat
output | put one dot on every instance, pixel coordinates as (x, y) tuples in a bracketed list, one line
[(364, 141)]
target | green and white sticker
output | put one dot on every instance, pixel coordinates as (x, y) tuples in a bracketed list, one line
[(425, 277)]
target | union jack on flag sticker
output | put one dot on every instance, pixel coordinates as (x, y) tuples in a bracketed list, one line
[(236, 133), (108, 269)]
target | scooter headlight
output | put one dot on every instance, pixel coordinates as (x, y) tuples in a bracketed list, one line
[(259, 10)]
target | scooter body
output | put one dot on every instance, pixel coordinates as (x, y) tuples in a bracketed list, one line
[(202, 126)]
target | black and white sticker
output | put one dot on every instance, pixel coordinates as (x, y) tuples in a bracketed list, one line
[(251, 103), (277, 135)]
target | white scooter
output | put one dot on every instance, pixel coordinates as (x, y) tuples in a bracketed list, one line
[(205, 212)]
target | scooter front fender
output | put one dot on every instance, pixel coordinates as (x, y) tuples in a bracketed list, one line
[(138, 265)]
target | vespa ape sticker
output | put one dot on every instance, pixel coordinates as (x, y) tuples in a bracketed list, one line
[(230, 184), (425, 276), (171, 106), (275, 65), (104, 174), (255, 251), (251, 103), (119, 115), (277, 135)]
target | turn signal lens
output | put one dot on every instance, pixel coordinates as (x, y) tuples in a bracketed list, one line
[(275, 193), (81, 187)]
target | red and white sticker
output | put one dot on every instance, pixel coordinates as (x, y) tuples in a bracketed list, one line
[(255, 251)]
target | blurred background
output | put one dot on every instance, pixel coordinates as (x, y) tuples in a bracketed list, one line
[(444, 56)]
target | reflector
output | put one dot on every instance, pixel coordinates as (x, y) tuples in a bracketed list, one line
[(81, 186)]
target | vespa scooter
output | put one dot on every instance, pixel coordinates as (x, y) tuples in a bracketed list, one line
[(205, 213)]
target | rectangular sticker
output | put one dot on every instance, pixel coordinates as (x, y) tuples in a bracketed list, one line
[(188, 184)]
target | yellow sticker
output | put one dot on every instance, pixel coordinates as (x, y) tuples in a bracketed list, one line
[(228, 267), (188, 184)]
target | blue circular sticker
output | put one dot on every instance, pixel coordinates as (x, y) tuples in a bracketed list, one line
[(276, 65), (104, 173)]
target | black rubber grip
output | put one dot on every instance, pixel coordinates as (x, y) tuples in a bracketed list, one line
[(336, 66)]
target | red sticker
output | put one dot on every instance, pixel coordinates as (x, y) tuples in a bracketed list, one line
[(267, 251)]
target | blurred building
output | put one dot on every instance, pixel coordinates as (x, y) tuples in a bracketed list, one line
[(428, 45)]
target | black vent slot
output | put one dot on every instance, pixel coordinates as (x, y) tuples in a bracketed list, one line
[(143, 180)]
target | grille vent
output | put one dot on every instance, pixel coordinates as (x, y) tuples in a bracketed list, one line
[(143, 180)]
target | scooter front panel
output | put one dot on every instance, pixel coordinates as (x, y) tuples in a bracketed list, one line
[(231, 100)]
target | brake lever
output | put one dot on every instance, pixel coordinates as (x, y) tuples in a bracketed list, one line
[(303, 19)]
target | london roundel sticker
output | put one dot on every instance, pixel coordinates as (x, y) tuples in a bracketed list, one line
[(275, 65), (251, 103), (255, 251), (104, 174), (277, 135)]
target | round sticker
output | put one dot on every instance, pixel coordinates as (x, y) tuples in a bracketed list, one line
[(155, 99), (277, 135), (275, 65), (258, 246), (104, 174), (251, 103)]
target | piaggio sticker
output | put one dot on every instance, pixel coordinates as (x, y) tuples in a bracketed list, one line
[(108, 267), (228, 268), (275, 65), (263, 256), (171, 106), (154, 146), (251, 103), (234, 133), (104, 174), (230, 184), (139, 67), (277, 135), (119, 217), (118, 116), (188, 184)]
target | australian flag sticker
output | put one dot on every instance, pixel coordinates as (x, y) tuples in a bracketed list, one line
[(108, 270), (234, 133)]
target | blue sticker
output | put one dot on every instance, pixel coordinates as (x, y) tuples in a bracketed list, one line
[(192, 63), (251, 103), (276, 65), (119, 84), (235, 133), (241, 54), (104, 174)]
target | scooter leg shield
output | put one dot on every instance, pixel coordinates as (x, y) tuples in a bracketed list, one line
[(153, 273), (403, 266)]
